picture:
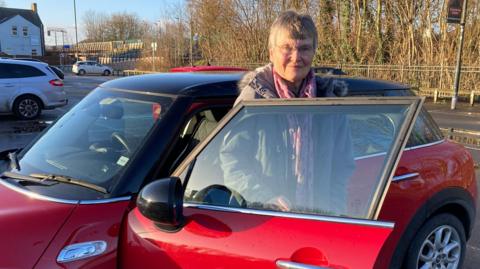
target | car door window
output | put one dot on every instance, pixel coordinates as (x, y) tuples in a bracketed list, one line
[(424, 131), (24, 71), (5, 71), (197, 128), (301, 159)]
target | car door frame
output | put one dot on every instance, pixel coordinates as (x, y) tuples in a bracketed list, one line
[(391, 163), (341, 229)]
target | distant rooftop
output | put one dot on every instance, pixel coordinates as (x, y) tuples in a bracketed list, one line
[(30, 15)]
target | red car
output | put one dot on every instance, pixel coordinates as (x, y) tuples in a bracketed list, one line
[(207, 68), (67, 198)]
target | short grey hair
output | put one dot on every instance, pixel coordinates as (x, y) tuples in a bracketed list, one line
[(300, 26)]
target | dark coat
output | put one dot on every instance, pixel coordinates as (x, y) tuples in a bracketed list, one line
[(257, 159)]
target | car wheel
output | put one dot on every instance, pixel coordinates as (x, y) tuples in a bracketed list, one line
[(440, 243), (106, 73), (81, 72), (27, 107)]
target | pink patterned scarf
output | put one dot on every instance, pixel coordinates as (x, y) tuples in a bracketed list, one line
[(300, 130)]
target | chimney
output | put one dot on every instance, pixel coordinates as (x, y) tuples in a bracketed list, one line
[(34, 7)]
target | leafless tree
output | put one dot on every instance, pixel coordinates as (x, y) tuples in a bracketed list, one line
[(117, 26)]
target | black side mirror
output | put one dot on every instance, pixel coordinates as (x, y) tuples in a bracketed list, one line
[(162, 202)]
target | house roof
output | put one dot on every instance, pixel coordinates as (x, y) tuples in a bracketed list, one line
[(29, 15)]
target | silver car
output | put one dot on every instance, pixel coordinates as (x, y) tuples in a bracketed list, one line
[(91, 67), (26, 88)]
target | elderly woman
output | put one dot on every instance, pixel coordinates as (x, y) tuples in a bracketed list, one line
[(292, 44), (278, 171)]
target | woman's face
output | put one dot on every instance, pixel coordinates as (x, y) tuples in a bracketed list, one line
[(292, 58)]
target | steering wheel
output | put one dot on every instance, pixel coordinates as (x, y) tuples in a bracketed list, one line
[(122, 141), (220, 195)]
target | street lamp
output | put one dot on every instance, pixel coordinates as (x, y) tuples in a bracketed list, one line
[(76, 32)]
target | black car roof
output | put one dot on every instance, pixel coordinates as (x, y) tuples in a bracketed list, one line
[(222, 84)]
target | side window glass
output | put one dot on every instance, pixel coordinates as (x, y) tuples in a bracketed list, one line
[(5, 71), (197, 128), (424, 131), (301, 159), (25, 71)]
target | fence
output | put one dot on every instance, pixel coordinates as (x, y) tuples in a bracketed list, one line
[(430, 81)]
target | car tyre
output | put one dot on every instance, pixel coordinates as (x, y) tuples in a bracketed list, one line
[(440, 243), (27, 107), (106, 73), (81, 72)]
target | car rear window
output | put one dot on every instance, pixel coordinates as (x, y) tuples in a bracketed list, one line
[(22, 71)]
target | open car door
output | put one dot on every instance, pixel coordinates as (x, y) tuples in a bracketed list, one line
[(272, 187)]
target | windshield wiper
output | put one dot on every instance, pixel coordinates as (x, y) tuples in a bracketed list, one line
[(69, 180), (26, 178), (50, 179)]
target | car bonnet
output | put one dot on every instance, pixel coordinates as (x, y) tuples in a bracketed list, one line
[(28, 225)]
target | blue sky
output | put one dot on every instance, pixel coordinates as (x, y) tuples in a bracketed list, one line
[(59, 13)]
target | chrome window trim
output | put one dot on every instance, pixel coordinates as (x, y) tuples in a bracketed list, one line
[(37, 196), (406, 149), (258, 212), (105, 201), (427, 145), (370, 156)]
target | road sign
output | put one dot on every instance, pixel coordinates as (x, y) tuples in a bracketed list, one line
[(454, 11)]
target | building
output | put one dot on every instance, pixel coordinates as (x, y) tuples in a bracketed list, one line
[(21, 32)]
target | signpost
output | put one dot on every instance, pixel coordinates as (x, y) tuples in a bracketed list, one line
[(454, 11), (456, 14)]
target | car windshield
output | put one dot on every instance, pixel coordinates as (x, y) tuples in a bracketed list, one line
[(96, 140)]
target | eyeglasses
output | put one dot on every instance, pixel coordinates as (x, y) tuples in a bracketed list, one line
[(287, 50)]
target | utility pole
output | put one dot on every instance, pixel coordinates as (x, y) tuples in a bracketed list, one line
[(459, 57), (76, 30)]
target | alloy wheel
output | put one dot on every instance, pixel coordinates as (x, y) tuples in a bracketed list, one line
[(441, 249), (28, 108)]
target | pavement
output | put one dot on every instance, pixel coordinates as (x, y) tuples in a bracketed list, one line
[(464, 117)]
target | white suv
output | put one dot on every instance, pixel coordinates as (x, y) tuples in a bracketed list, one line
[(27, 87), (91, 67)]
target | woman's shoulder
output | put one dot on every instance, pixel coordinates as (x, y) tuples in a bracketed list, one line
[(257, 84)]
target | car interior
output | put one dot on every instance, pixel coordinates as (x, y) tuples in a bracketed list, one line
[(198, 127)]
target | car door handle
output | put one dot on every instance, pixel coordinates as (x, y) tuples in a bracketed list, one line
[(8, 85), (405, 176), (281, 264)]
